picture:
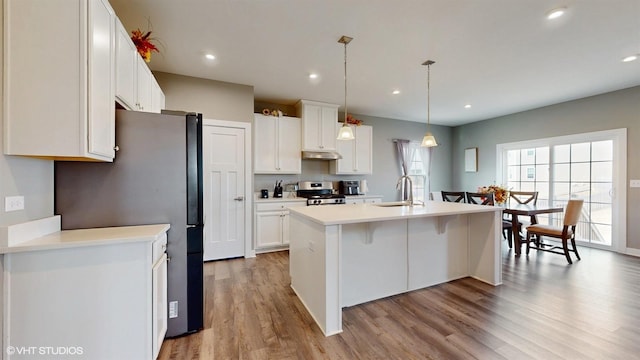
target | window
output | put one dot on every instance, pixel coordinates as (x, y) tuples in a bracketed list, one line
[(416, 173), (581, 166)]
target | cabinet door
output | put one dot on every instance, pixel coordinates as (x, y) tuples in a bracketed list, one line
[(363, 163), (373, 200), (126, 62), (328, 128), (357, 155), (144, 86), (157, 96), (101, 125), (289, 150), (269, 228), (311, 123), (285, 228), (159, 301), (354, 201), (264, 144)]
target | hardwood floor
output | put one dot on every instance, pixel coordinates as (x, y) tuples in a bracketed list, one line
[(545, 309)]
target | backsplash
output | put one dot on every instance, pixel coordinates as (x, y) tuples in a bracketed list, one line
[(312, 170)]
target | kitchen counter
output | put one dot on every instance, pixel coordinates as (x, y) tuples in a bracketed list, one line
[(358, 213), (341, 256), (45, 234)]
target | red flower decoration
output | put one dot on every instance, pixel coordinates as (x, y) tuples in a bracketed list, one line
[(143, 44)]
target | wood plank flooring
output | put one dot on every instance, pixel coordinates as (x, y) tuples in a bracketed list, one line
[(545, 309)]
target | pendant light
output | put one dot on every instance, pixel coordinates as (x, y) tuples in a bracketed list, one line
[(345, 132), (428, 140)]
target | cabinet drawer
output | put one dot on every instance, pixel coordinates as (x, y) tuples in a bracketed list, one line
[(159, 247), (279, 205)]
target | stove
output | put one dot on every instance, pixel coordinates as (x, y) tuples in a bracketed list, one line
[(319, 193)]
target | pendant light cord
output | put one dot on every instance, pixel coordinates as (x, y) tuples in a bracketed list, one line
[(345, 83), (429, 98)]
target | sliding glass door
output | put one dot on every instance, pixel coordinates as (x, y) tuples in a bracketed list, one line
[(588, 166)]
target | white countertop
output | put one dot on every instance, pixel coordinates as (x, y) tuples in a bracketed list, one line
[(360, 213), (42, 238)]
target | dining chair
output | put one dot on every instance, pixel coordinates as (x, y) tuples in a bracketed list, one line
[(524, 197), (488, 199), (479, 198), (565, 233), (453, 196)]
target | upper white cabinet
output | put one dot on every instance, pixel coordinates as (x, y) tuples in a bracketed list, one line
[(59, 79), (277, 145), (357, 155), (126, 62), (319, 125), (136, 88)]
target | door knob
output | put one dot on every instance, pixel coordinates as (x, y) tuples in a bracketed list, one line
[(239, 198)]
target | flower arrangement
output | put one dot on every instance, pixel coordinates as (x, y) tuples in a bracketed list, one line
[(143, 44), (353, 121), (500, 193)]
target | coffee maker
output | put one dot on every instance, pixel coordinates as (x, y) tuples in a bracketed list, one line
[(349, 187)]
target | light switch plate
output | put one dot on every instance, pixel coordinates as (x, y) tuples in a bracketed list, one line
[(634, 183), (13, 203), (173, 309)]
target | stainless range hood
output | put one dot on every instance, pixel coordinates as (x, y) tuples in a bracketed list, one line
[(321, 155)]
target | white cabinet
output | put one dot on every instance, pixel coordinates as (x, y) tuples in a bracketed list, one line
[(126, 68), (276, 145), (357, 155), (159, 295), (59, 79), (109, 299), (157, 96), (136, 87), (350, 201), (363, 199), (272, 224), (319, 125)]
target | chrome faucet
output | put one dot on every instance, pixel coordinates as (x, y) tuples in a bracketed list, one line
[(401, 182)]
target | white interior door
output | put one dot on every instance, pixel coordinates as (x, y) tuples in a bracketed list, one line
[(224, 190)]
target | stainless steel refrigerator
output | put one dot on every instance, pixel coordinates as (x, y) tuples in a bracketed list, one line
[(156, 177)]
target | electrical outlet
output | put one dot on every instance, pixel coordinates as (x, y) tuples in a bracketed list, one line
[(13, 203), (173, 309), (634, 183)]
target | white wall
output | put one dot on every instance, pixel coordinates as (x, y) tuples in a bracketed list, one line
[(31, 178)]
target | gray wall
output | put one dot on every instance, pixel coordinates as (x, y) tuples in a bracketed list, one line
[(386, 170), (619, 109), (214, 99), (28, 177)]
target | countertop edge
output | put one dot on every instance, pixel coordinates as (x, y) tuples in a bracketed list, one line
[(390, 215), (68, 239)]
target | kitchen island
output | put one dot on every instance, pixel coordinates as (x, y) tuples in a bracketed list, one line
[(341, 256)]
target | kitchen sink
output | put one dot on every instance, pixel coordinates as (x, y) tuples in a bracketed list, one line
[(393, 203)]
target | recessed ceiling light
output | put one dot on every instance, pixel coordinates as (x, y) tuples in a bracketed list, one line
[(210, 56), (313, 76), (630, 58), (395, 92), (468, 106), (556, 13)]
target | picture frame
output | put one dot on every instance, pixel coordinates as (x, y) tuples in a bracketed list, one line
[(471, 159)]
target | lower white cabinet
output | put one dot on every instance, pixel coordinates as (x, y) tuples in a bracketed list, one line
[(363, 199), (105, 301), (272, 224)]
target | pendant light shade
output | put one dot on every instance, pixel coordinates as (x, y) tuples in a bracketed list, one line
[(428, 140), (345, 132)]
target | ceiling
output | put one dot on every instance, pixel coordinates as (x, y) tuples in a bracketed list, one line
[(500, 56)]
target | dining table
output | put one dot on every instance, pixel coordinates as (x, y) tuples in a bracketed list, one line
[(530, 210)]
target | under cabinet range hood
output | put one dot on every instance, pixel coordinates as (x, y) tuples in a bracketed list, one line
[(320, 155)]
